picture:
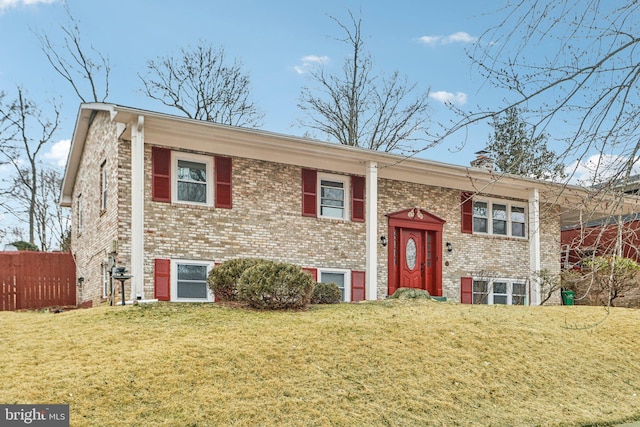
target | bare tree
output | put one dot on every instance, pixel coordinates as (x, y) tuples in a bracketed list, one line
[(83, 68), (583, 82), (573, 67), (202, 84), (357, 107), (52, 221), (24, 134)]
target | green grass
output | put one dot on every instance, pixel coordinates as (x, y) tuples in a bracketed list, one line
[(395, 363)]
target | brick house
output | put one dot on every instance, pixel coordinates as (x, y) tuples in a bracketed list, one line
[(169, 197)]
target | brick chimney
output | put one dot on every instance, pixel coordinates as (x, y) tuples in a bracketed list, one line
[(482, 160)]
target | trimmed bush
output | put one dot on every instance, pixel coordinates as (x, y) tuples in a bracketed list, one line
[(223, 278), (410, 293), (326, 293), (275, 286)]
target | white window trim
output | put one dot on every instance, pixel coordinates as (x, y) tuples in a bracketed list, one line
[(509, 204), (190, 157), (347, 280), (174, 280), (510, 282), (346, 185)]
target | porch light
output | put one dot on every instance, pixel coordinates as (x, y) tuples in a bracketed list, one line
[(449, 247), (80, 281), (383, 241)]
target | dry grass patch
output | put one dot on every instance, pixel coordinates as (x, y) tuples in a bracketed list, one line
[(396, 363)]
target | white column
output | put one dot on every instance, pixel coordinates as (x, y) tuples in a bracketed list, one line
[(534, 245), (137, 209), (371, 219)]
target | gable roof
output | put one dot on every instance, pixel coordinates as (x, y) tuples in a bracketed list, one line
[(180, 132)]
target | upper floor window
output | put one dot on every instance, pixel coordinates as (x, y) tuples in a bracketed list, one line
[(500, 218), (191, 178), (334, 194), (193, 182), (327, 195), (332, 198), (103, 186)]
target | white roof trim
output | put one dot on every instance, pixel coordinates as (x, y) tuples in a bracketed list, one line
[(182, 132)]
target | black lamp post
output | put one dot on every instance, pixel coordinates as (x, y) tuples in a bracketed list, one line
[(120, 274)]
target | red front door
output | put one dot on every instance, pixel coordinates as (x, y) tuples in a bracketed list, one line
[(415, 245), (412, 258)]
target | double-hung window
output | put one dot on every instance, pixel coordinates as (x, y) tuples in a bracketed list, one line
[(517, 221), (193, 182), (500, 218), (189, 281), (499, 291), (103, 186), (334, 194), (340, 278)]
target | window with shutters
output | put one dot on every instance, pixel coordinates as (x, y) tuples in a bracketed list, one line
[(499, 218), (333, 196), (192, 181), (189, 281), (340, 277), (499, 291)]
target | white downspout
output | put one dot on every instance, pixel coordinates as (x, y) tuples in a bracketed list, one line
[(137, 210), (371, 220), (534, 245)]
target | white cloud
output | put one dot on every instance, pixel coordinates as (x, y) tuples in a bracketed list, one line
[(459, 37), (59, 152), (448, 98), (310, 61), (597, 169), (8, 4)]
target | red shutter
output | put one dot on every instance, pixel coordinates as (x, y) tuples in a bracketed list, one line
[(161, 174), (223, 182), (466, 204), (162, 279), (309, 184), (358, 286), (466, 290), (313, 272), (357, 198)]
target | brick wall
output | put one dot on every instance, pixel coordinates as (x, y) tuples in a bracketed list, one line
[(92, 246), (266, 221)]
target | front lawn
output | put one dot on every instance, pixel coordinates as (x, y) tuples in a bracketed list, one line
[(396, 363)]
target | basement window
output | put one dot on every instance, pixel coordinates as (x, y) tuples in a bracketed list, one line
[(499, 291), (189, 281)]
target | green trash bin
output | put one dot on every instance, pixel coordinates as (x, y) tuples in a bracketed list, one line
[(568, 297)]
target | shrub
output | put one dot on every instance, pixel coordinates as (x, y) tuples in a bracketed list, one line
[(326, 293), (275, 285), (411, 293), (223, 278)]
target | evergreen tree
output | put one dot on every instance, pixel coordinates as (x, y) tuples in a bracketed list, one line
[(516, 149)]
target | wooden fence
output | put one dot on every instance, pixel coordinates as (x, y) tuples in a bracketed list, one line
[(30, 280)]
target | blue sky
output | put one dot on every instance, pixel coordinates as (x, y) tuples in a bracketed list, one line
[(276, 40)]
